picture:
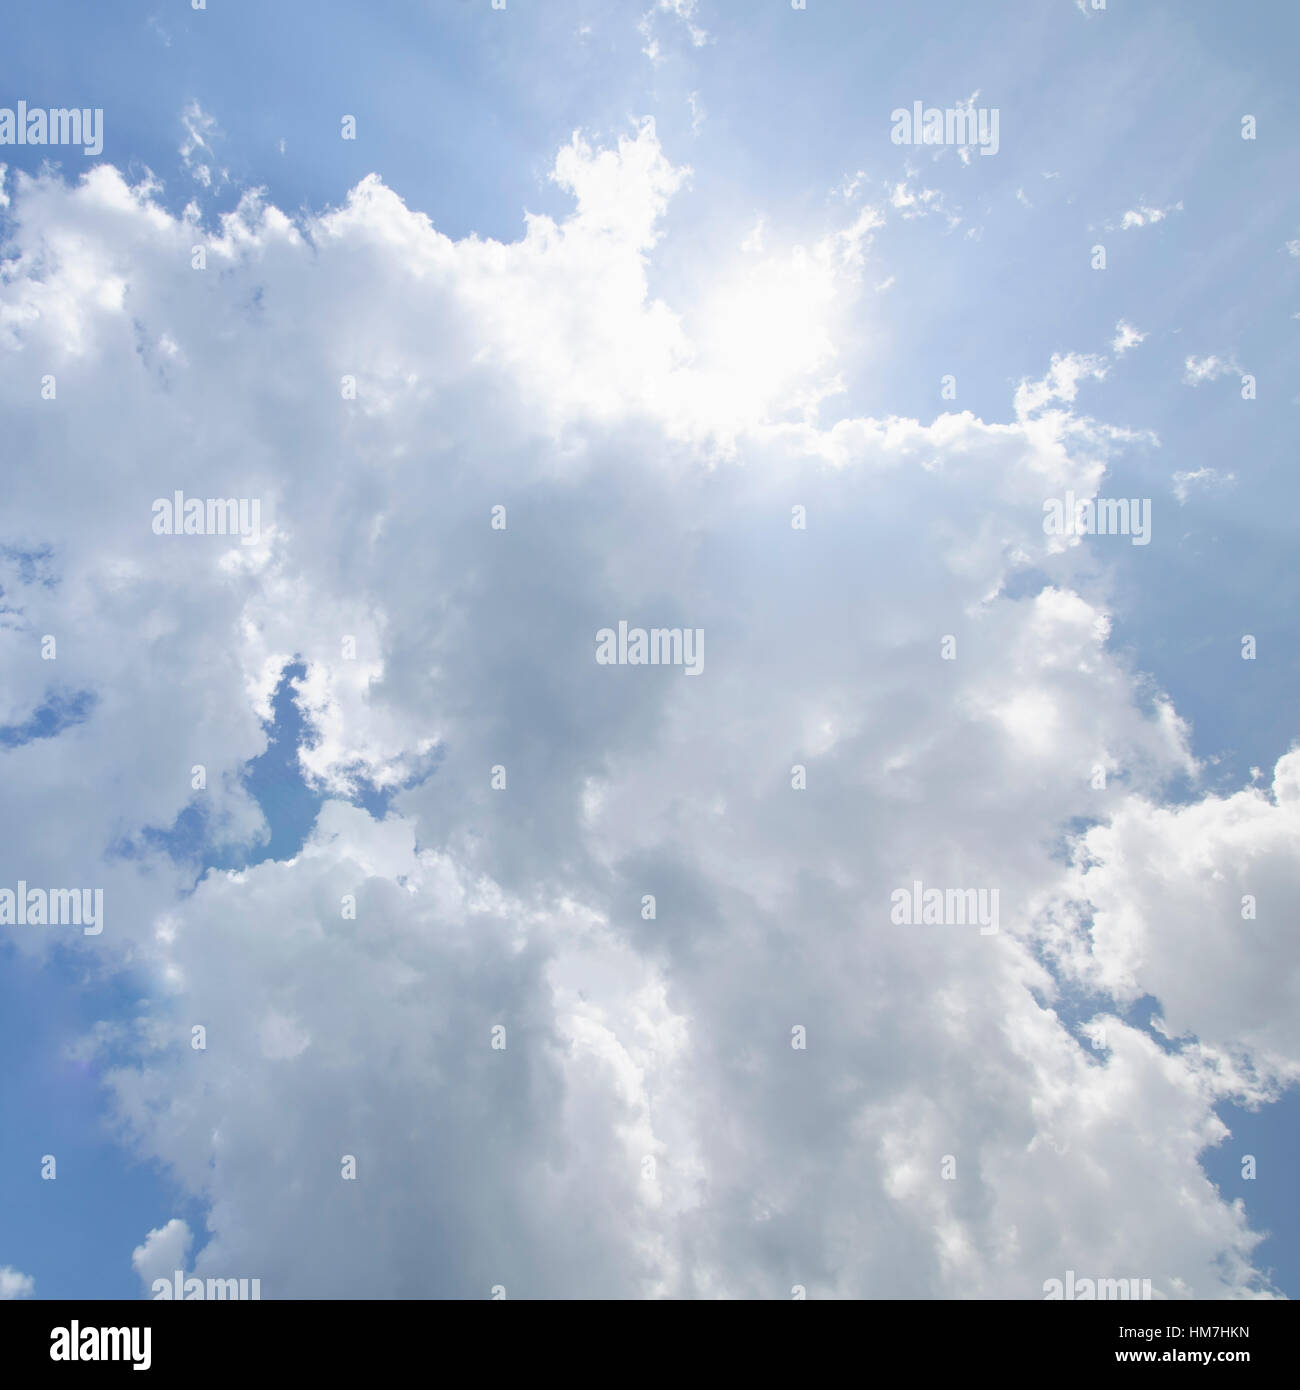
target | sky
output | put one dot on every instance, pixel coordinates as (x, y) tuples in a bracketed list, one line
[(520, 972)]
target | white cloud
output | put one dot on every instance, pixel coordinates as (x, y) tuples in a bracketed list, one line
[(1126, 336), (683, 10), (196, 150), (910, 202), (163, 1252), (1200, 369), (1061, 384), (1143, 216), (649, 458), (1200, 477), (15, 1285), (850, 184), (1168, 891)]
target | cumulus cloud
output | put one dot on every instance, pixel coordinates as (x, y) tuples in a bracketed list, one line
[(15, 1285), (163, 1252), (1189, 903), (540, 1082)]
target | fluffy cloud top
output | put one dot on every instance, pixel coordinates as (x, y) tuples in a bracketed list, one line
[(15, 1285), (163, 1252)]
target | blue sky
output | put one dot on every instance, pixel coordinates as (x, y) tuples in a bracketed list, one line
[(497, 364)]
